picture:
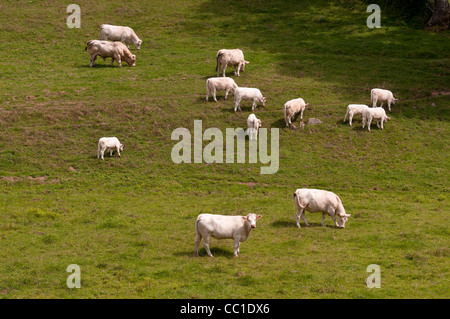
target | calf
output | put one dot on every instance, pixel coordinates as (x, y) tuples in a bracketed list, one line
[(105, 49), (253, 125), (354, 109), (237, 228), (110, 144), (119, 33), (377, 113), (233, 57), (382, 95), (218, 84), (252, 94), (293, 107), (316, 201)]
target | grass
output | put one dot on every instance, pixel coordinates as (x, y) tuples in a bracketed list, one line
[(129, 222)]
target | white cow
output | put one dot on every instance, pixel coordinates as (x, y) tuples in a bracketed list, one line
[(253, 125), (119, 33), (110, 144), (252, 94), (218, 84), (233, 57), (316, 201), (354, 109), (105, 49), (377, 113), (382, 95), (293, 107), (223, 227)]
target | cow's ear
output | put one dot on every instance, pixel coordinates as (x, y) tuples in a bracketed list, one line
[(244, 217), (258, 217)]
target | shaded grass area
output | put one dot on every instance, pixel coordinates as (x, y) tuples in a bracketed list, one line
[(129, 222)]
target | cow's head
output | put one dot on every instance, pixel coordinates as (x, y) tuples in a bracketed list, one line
[(342, 219), (263, 101), (259, 123), (132, 60), (138, 44), (387, 118), (243, 66), (252, 218), (121, 147)]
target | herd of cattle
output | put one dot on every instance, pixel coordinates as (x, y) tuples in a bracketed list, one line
[(238, 228)]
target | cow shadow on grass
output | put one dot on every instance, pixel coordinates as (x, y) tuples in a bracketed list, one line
[(283, 223), (216, 251)]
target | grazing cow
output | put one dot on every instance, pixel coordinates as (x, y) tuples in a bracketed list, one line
[(233, 57), (110, 144), (219, 84), (354, 109), (119, 33), (105, 49), (293, 107), (253, 125), (223, 227), (377, 113), (252, 94), (382, 95), (316, 201)]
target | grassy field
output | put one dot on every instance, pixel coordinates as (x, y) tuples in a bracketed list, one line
[(129, 222)]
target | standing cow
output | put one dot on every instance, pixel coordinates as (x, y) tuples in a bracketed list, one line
[(292, 108), (119, 33), (319, 201), (237, 228), (383, 96), (218, 84), (105, 49), (233, 57), (253, 125), (108, 144)]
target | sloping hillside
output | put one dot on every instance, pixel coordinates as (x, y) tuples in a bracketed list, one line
[(128, 222)]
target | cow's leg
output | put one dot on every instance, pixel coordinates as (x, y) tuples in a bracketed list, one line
[(102, 153), (301, 114), (288, 121), (118, 150), (350, 118), (389, 105), (299, 213), (224, 67), (381, 103), (110, 152), (254, 104), (93, 58), (226, 93), (332, 213), (214, 94), (236, 105), (236, 246), (369, 121), (374, 102), (206, 245), (323, 219), (112, 61), (198, 239), (118, 59), (381, 124), (219, 67), (304, 218)]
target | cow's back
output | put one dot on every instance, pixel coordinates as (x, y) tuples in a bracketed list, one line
[(218, 226), (318, 200)]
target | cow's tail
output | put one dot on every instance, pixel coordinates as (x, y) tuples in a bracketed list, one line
[(88, 44), (219, 54), (297, 201), (371, 95)]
